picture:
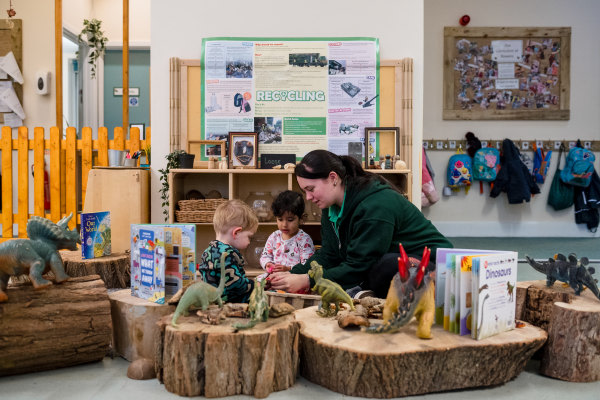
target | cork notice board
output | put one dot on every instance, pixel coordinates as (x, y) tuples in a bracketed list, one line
[(506, 73), (11, 39)]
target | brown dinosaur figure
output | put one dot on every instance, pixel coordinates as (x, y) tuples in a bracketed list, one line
[(331, 292), (258, 306), (38, 254), (412, 293)]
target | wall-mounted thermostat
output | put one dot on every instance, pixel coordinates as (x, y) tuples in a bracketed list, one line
[(42, 83)]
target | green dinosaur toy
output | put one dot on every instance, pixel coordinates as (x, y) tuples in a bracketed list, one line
[(258, 306), (201, 294), (38, 254), (330, 292)]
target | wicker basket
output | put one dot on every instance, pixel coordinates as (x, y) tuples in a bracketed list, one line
[(197, 210)]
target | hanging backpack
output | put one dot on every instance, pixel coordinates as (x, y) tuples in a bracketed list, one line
[(579, 167), (485, 164), (541, 163), (459, 172)]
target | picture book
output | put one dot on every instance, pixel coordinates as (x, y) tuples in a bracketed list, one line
[(95, 234), (494, 280), (465, 295), (148, 262)]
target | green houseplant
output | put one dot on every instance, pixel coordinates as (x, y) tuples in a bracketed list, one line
[(172, 162), (95, 39)]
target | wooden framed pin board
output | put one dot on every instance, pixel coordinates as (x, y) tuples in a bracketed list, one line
[(519, 73), (11, 40)]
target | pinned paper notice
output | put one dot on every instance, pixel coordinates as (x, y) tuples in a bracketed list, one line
[(9, 97), (8, 64), (12, 120)]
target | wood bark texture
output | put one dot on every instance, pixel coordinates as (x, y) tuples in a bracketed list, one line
[(361, 364), (54, 327), (134, 324), (114, 269), (196, 359), (572, 352)]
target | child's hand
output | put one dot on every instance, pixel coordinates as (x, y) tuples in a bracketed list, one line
[(280, 268)]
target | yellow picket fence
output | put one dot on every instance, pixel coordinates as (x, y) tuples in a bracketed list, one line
[(70, 162)]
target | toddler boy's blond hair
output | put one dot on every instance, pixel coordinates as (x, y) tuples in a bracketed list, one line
[(234, 213)]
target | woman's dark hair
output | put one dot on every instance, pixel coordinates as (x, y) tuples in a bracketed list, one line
[(288, 201), (322, 162)]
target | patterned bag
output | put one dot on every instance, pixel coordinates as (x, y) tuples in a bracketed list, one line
[(485, 164), (459, 172), (579, 167)]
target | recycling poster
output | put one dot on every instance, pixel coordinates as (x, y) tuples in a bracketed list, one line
[(297, 94)]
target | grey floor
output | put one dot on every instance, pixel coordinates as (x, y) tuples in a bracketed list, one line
[(108, 379)]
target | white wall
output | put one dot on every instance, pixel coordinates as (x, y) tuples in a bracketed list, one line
[(74, 12), (110, 12), (178, 29), (479, 215)]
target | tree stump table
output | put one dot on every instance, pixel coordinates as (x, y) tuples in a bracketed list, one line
[(58, 326), (114, 270), (196, 359), (388, 365), (573, 325)]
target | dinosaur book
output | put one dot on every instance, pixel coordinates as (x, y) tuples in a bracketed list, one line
[(95, 234), (494, 280)]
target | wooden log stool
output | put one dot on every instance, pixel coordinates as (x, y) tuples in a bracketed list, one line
[(387, 365), (58, 326), (197, 359), (134, 324), (114, 269), (573, 325)]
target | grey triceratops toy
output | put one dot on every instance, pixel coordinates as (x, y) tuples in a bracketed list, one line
[(38, 254)]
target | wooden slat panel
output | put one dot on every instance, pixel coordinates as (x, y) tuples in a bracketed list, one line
[(134, 141), (119, 141), (7, 200), (54, 174), (38, 172), (86, 159), (23, 182), (103, 147), (71, 175)]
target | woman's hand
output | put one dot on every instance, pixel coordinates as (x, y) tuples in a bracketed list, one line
[(279, 268), (290, 283)]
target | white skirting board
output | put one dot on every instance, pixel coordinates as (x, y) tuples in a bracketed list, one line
[(513, 229)]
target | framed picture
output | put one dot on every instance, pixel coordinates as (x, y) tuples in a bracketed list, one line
[(380, 142), (142, 128), (243, 149)]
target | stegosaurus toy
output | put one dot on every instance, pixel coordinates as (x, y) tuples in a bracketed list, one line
[(331, 292), (258, 306), (412, 292), (38, 254), (569, 270), (201, 294)]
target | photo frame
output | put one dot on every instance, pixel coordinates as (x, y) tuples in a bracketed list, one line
[(381, 141), (243, 149), (142, 128)]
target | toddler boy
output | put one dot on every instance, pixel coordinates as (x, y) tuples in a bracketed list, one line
[(234, 224)]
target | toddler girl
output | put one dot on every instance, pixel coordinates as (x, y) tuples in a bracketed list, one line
[(289, 245)]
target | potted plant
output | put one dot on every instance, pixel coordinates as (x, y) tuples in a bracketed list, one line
[(172, 162), (95, 39), (146, 155)]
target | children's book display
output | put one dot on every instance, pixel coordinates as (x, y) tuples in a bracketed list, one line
[(475, 291), (163, 259), (95, 234)]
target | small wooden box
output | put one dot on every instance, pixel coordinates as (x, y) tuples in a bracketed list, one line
[(297, 300)]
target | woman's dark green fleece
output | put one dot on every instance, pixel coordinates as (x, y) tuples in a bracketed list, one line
[(374, 221)]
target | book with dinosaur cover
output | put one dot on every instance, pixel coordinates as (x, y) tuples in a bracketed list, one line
[(95, 234), (494, 277)]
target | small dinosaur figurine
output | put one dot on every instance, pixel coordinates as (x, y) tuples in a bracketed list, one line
[(258, 306), (330, 292), (201, 294), (569, 270), (38, 254), (412, 292)]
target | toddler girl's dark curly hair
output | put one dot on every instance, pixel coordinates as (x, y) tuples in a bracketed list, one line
[(288, 201)]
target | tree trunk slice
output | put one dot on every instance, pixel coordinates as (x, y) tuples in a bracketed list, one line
[(196, 359), (54, 327), (134, 324), (114, 269), (572, 322), (400, 364)]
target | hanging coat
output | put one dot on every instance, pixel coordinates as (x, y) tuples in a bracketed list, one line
[(514, 178)]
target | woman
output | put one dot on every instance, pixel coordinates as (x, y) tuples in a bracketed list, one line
[(364, 219)]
